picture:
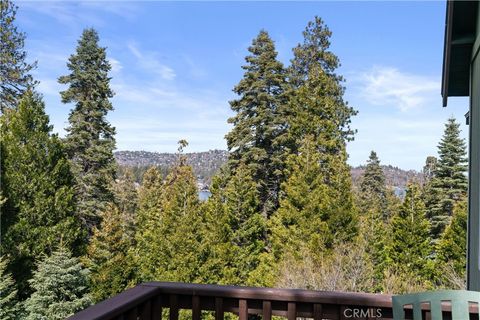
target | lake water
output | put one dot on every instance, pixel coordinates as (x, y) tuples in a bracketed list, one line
[(204, 195)]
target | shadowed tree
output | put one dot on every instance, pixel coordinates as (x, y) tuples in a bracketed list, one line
[(9, 306), (37, 183), (15, 77), (90, 138)]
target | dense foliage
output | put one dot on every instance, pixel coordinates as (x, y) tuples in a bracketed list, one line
[(60, 287), (15, 76), (90, 140), (40, 207), (448, 183), (283, 210)]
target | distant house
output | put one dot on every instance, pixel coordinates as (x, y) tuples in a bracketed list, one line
[(461, 77)]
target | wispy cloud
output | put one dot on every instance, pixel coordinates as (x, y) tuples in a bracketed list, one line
[(72, 13), (150, 62), (116, 65), (388, 86)]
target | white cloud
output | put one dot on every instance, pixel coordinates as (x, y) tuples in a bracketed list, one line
[(116, 65), (73, 13), (150, 63), (387, 86)]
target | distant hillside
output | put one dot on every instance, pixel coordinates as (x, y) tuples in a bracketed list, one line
[(396, 178), (206, 164)]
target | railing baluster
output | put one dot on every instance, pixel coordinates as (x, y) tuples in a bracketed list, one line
[(132, 314), (196, 308), (267, 310), (317, 311), (292, 311), (173, 307), (218, 309), (146, 313), (157, 308), (242, 309)]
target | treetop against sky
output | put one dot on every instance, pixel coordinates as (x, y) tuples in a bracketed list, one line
[(174, 66)]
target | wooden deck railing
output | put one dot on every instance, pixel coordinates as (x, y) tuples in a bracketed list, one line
[(146, 302)]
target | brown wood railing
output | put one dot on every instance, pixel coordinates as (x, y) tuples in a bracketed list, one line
[(146, 302)]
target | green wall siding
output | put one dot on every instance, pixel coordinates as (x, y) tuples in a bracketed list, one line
[(474, 174)]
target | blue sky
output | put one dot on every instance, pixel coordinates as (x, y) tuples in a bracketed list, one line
[(175, 64)]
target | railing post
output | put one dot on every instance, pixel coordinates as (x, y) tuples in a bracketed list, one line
[(317, 311), (173, 307), (218, 309), (242, 309), (146, 311), (292, 311), (132, 314), (267, 310), (196, 308), (157, 308)]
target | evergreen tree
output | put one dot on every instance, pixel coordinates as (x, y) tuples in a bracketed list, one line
[(247, 224), (219, 265), (9, 307), (373, 179), (149, 200), (317, 209), (429, 168), (313, 53), (126, 199), (258, 121), (38, 185), (452, 247), (90, 140), (377, 205), (408, 251), (317, 107), (449, 183), (15, 77), (107, 255), (60, 288), (168, 248)]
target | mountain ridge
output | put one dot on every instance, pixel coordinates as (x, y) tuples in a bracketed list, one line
[(206, 163)]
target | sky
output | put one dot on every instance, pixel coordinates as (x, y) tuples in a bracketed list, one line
[(174, 65)]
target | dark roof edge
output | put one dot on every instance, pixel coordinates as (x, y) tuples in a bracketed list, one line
[(447, 51)]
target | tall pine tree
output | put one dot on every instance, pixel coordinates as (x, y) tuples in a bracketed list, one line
[(107, 255), (317, 208), (126, 199), (258, 121), (376, 205), (90, 140), (15, 77), (150, 195), (172, 243), (60, 286), (317, 106), (217, 235), (449, 183), (409, 248), (38, 186)]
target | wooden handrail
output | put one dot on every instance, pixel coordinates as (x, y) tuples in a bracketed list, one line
[(146, 302)]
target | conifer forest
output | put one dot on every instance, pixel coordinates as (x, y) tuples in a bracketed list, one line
[(76, 228)]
